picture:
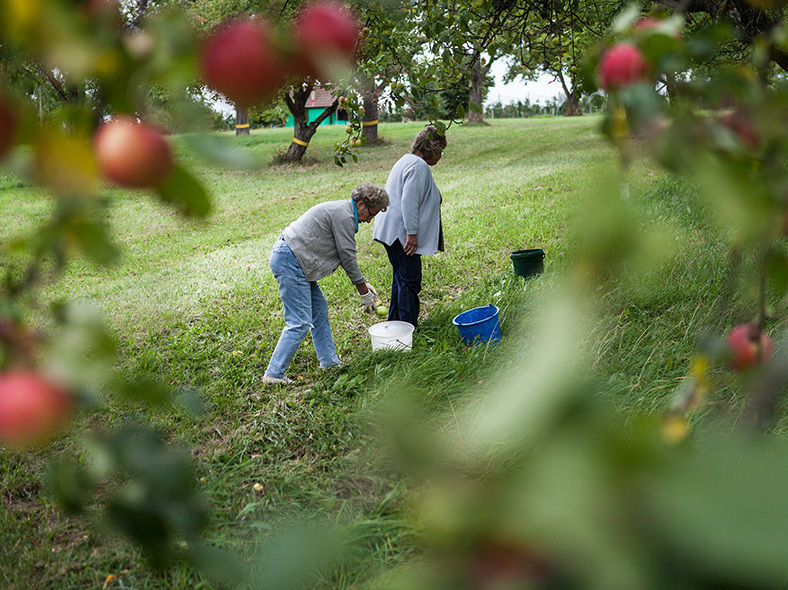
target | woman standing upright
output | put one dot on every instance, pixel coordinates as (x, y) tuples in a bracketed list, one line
[(411, 226)]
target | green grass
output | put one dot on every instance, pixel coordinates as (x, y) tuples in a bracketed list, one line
[(194, 305)]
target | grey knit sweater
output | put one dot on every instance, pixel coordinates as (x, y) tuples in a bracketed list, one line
[(324, 238)]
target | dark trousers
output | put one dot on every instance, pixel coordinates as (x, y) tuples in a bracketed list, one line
[(405, 284)]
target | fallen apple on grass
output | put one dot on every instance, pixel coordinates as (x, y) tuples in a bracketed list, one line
[(380, 309)]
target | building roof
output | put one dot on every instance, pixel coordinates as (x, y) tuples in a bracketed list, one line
[(320, 98)]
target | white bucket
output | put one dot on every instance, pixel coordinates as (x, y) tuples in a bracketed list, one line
[(392, 334)]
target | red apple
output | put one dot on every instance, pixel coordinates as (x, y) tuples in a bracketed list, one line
[(742, 126), (132, 154), (240, 61), (644, 23), (327, 31), (507, 563), (99, 8), (622, 65), (8, 125), (32, 408), (748, 346), (650, 23)]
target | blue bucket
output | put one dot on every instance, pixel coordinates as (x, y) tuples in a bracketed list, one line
[(478, 325)]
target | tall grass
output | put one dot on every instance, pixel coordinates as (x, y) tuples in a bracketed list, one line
[(193, 305)]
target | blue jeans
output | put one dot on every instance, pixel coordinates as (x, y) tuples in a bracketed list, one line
[(405, 284), (305, 310)]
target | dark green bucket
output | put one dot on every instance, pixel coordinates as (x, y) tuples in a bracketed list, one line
[(528, 263)]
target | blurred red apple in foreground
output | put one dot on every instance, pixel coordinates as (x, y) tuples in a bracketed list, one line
[(742, 126), (240, 61), (100, 8), (8, 123), (622, 65), (327, 31), (32, 408), (645, 23), (132, 154), (652, 23), (748, 346)]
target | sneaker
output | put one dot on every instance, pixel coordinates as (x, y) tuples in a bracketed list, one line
[(268, 380), (341, 363)]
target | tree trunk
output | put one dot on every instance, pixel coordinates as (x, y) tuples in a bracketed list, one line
[(572, 108), (241, 121), (476, 92), (302, 130), (370, 95)]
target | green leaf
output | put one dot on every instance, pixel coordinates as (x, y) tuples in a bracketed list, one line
[(475, 107), (145, 390), (189, 400), (777, 271), (220, 150), (219, 566), (93, 240), (459, 113), (722, 508), (70, 484), (296, 557), (186, 193), (625, 19)]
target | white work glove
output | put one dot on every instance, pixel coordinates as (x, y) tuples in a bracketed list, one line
[(371, 288), (368, 301)]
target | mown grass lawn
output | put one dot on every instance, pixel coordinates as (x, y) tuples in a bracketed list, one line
[(193, 305)]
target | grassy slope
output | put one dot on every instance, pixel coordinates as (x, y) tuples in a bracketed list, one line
[(195, 305)]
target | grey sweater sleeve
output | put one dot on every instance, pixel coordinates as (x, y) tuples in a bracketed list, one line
[(414, 182), (344, 230)]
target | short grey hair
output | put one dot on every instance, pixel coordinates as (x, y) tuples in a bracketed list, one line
[(373, 196), (428, 142)]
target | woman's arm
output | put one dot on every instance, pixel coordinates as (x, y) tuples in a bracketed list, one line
[(415, 188), (344, 232)]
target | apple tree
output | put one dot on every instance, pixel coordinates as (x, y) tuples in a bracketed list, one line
[(383, 60), (464, 40), (555, 37), (76, 82)]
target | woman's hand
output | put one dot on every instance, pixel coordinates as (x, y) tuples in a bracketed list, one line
[(367, 301), (411, 244)]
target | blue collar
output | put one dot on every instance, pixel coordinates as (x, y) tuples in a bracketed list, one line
[(355, 213)]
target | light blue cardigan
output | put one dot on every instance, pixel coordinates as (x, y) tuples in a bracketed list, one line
[(415, 207)]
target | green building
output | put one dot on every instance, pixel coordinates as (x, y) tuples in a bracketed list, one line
[(319, 101)]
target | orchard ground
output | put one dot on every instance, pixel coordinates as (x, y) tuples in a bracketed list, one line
[(193, 305)]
